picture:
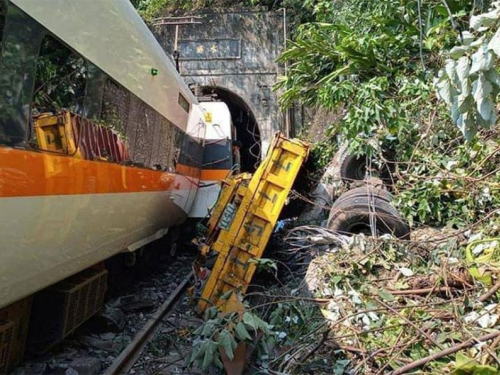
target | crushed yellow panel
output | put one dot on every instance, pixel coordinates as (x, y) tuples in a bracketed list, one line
[(55, 133), (233, 190), (244, 220)]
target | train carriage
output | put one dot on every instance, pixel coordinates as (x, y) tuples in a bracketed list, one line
[(101, 142)]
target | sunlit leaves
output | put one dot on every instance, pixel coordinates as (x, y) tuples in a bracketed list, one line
[(222, 333), (482, 60), (472, 98), (458, 51), (494, 43), (445, 89), (228, 343), (360, 60), (484, 20), (463, 71)]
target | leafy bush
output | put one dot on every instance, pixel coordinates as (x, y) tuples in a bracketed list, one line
[(150, 9), (469, 83), (366, 55), (226, 332), (378, 61)]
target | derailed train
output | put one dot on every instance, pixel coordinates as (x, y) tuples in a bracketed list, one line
[(102, 145)]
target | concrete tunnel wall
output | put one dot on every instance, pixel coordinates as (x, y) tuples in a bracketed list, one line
[(235, 50)]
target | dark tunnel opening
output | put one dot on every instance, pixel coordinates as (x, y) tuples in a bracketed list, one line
[(247, 129)]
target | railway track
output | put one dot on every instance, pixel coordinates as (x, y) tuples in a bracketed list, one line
[(129, 356), (112, 341)]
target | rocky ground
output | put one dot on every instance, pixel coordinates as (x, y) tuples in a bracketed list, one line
[(167, 352), (95, 345)]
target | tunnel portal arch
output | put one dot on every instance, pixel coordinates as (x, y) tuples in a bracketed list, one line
[(244, 122), (233, 51)]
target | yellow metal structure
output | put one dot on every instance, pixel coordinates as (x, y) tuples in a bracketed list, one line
[(54, 133), (231, 196), (244, 219)]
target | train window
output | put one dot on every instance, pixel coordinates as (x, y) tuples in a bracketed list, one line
[(140, 131), (183, 102), (19, 51), (115, 107), (94, 92), (61, 77)]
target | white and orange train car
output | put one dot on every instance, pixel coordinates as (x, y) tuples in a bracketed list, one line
[(101, 142)]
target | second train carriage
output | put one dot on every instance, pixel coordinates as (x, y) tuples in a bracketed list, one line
[(101, 142)]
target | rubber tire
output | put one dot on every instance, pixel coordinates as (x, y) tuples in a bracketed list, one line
[(365, 191), (373, 182), (352, 214), (352, 167), (361, 201)]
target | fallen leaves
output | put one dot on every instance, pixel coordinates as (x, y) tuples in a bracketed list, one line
[(391, 308)]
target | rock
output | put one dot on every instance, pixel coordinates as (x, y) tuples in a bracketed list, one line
[(86, 366), (108, 336), (114, 318), (145, 300), (140, 305), (31, 369), (106, 345), (184, 322), (70, 371)]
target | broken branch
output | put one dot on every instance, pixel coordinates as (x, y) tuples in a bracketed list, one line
[(425, 334), (490, 292), (444, 353)]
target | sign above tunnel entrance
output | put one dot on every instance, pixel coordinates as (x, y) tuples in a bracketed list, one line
[(210, 49), (232, 53)]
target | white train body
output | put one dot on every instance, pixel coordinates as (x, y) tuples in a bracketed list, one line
[(61, 211)]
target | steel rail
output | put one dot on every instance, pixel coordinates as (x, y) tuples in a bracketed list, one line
[(129, 356)]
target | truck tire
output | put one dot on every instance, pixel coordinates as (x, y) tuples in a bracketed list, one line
[(352, 167), (351, 215), (364, 191)]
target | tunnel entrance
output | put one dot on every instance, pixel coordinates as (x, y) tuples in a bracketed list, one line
[(247, 129)]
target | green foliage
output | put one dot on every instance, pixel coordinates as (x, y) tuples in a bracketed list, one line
[(322, 153), (224, 332), (366, 58), (289, 324), (365, 55), (264, 264), (61, 77), (469, 83), (150, 9), (454, 183), (467, 366)]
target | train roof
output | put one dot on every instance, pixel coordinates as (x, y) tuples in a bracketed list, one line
[(112, 35)]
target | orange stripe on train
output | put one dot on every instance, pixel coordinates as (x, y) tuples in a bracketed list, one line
[(29, 173), (214, 174)]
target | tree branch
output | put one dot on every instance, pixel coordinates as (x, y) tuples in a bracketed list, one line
[(490, 292), (444, 353), (419, 4)]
